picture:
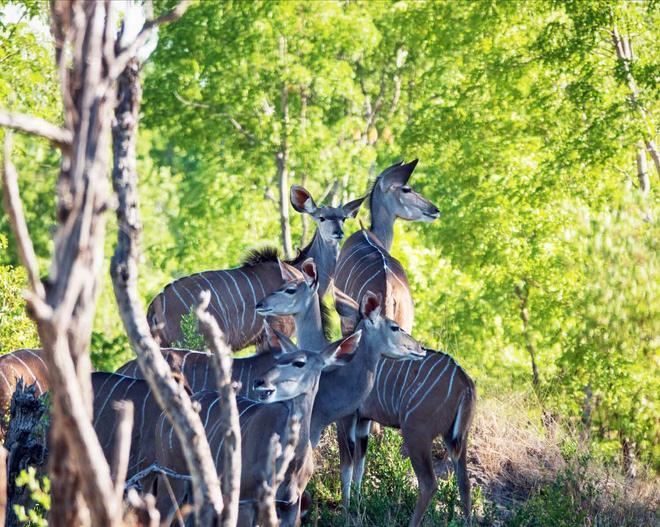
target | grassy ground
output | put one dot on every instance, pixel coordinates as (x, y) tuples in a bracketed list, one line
[(522, 475)]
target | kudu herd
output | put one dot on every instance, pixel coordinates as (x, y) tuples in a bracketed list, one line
[(376, 372)]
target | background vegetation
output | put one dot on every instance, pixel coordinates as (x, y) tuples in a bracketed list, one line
[(527, 128)]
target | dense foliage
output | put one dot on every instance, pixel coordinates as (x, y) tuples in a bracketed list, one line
[(527, 130)]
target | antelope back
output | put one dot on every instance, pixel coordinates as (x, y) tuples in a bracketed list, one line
[(110, 388), (364, 264), (27, 364)]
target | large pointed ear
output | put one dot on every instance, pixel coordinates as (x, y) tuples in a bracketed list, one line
[(278, 342), (345, 305), (341, 351), (371, 305), (288, 272), (302, 200), (397, 174), (309, 273), (352, 207)]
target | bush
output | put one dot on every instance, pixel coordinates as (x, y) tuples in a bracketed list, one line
[(16, 328)]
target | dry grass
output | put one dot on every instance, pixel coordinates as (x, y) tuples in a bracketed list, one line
[(526, 474)]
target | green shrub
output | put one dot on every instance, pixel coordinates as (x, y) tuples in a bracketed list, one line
[(192, 340), (16, 328), (109, 353), (39, 487)]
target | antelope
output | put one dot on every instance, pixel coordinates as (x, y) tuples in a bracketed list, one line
[(342, 391), (286, 389), (196, 366), (365, 261), (425, 399), (26, 364), (236, 291)]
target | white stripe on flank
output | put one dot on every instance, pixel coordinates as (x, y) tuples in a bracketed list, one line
[(119, 380), (451, 382), (240, 295), (383, 390), (357, 262), (141, 416), (230, 319), (359, 295), (206, 375), (16, 357), (347, 259), (185, 306), (37, 356), (254, 297), (383, 256), (356, 279), (437, 380), (379, 372), (399, 366), (404, 383), (5, 378), (223, 316)]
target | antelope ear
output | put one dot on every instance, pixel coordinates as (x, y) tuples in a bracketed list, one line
[(309, 272), (352, 207), (288, 272), (371, 306), (345, 305), (279, 341), (342, 351), (397, 174), (302, 200)]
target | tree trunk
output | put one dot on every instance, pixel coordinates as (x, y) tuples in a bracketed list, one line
[(282, 160), (625, 56)]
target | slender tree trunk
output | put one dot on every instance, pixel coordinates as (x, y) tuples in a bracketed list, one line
[(625, 56), (282, 159), (522, 292), (124, 266)]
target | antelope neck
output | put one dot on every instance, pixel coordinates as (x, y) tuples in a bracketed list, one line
[(382, 219), (309, 326), (325, 255), (343, 390)]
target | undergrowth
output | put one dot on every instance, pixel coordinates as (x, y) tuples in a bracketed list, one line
[(522, 476)]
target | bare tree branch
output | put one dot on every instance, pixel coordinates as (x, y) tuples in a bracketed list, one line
[(36, 126), (170, 394), (275, 469), (14, 209), (229, 426), (127, 54), (122, 448)]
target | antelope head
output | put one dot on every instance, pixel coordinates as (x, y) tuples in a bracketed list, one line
[(297, 371), (329, 220), (400, 198), (297, 292), (383, 333)]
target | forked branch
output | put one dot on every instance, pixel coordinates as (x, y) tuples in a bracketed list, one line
[(14, 208), (229, 426)]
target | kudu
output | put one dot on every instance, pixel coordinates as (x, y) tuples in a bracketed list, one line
[(289, 387), (196, 366), (364, 261), (425, 399), (112, 387), (236, 291), (342, 391)]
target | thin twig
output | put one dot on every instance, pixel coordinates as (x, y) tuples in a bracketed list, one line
[(122, 448), (229, 427), (125, 55), (14, 209)]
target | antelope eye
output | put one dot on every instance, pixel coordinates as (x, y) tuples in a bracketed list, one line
[(299, 363), (290, 290), (395, 328), (406, 189), (321, 218)]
